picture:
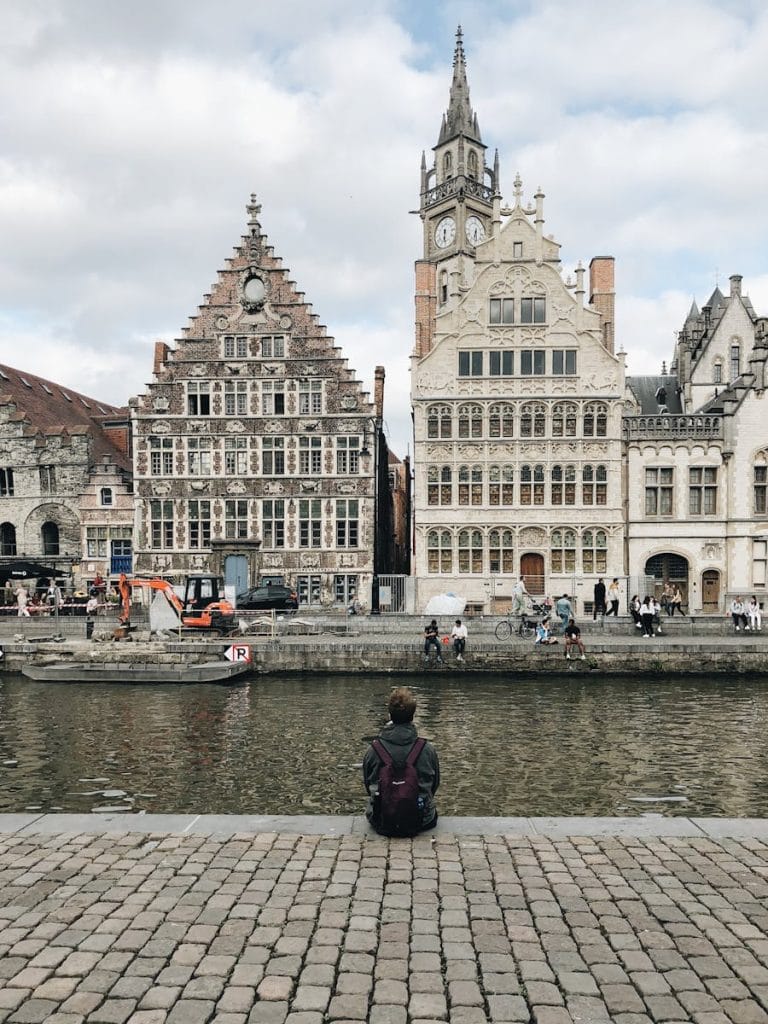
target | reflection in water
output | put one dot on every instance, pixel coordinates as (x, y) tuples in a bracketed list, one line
[(507, 746)]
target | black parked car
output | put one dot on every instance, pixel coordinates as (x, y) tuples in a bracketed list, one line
[(266, 598)]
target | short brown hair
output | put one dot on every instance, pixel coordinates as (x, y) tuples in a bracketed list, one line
[(402, 705)]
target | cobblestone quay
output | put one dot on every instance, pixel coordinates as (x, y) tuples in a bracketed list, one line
[(544, 920)]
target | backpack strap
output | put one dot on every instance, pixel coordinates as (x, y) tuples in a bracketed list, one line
[(381, 750), (415, 751), (413, 754)]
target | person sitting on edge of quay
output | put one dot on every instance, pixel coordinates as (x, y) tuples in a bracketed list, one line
[(646, 616), (543, 635), (656, 614), (755, 614), (634, 611), (564, 609), (401, 773), (738, 614), (598, 602), (614, 593), (573, 639), (459, 637), (432, 639)]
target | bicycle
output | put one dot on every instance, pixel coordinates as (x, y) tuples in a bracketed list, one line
[(525, 628)]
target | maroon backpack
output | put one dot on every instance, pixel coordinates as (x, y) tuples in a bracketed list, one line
[(397, 806)]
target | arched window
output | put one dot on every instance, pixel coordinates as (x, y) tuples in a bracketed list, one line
[(470, 421), (439, 485), (563, 551), (501, 485), (470, 485), (439, 551), (735, 361), (596, 420), (439, 421), (564, 420), (472, 164), (501, 551), (594, 485), (563, 485), (470, 551), (448, 165), (594, 551), (7, 539), (533, 417), (501, 420), (50, 537), (532, 485)]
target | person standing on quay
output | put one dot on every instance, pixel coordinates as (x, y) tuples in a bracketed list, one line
[(598, 605), (22, 600), (613, 596), (564, 609), (646, 617)]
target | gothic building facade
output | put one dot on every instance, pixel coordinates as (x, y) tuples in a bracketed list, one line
[(534, 455), (258, 453)]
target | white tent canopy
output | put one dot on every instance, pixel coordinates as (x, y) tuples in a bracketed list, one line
[(445, 604)]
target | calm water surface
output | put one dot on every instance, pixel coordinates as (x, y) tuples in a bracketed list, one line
[(294, 745)]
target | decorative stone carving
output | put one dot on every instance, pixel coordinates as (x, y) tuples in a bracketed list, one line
[(532, 535), (160, 427), (348, 403), (436, 384), (273, 427), (272, 561), (236, 487), (286, 322), (274, 487), (161, 489), (310, 560), (161, 404), (346, 487), (221, 322), (712, 550), (234, 427), (309, 486), (198, 485), (198, 370)]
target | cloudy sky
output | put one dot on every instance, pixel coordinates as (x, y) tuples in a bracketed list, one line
[(131, 135)]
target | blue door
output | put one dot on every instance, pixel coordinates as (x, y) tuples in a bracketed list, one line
[(236, 572)]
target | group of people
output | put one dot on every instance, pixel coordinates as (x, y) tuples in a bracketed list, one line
[(49, 600), (748, 617), (571, 635), (606, 601), (646, 614)]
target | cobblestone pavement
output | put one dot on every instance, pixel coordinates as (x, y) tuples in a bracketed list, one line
[(275, 928)]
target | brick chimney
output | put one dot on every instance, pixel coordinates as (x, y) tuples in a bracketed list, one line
[(161, 356), (378, 391), (426, 307), (602, 296)]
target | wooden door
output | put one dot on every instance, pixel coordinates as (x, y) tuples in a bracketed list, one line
[(710, 591), (532, 570)]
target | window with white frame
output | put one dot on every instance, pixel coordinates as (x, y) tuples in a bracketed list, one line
[(96, 541), (563, 550), (759, 563), (161, 522), (346, 587), (501, 489), (439, 485), (659, 484), (199, 456), (347, 523), (760, 488), (161, 456), (273, 523), (236, 398), (235, 347), (439, 551), (198, 398), (310, 397), (309, 589), (273, 346), (702, 490), (348, 455), (594, 551), (310, 522), (310, 456), (236, 518), (439, 421), (273, 398), (273, 456), (236, 456), (501, 554), (470, 551), (199, 523)]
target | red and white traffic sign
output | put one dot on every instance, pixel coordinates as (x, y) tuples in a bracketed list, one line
[(238, 652)]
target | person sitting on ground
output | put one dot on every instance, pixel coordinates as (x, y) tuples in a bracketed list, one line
[(564, 609), (634, 611), (408, 807), (459, 637), (432, 639), (543, 635), (738, 614), (354, 606), (755, 614), (573, 639)]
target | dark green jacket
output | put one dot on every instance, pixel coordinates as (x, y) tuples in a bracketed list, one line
[(398, 739)]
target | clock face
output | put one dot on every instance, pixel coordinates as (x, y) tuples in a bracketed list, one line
[(445, 232), (475, 230), (254, 291)]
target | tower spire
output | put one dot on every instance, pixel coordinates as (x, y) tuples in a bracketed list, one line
[(459, 119)]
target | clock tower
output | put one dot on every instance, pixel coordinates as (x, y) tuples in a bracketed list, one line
[(458, 192)]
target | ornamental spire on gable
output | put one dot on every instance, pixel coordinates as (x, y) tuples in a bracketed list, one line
[(459, 119)]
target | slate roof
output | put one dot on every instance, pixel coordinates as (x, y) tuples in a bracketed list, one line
[(50, 408), (644, 389)]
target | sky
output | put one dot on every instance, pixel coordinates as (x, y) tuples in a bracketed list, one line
[(131, 136)]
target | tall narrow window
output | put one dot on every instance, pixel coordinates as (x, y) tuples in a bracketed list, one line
[(347, 523), (444, 287), (6, 483), (563, 551), (439, 551), (759, 563), (439, 485), (501, 485), (501, 420), (439, 421), (96, 541), (760, 489), (470, 485), (7, 539), (199, 523), (310, 522), (564, 420), (273, 398), (533, 420), (470, 421), (348, 455), (717, 372), (658, 491), (47, 479), (273, 456), (702, 490), (236, 397), (236, 519), (594, 551), (470, 551), (236, 456), (563, 485), (273, 523), (199, 456), (161, 456), (310, 397), (595, 420), (532, 485), (594, 485), (161, 524), (106, 496), (735, 361), (310, 456), (198, 398), (501, 555)]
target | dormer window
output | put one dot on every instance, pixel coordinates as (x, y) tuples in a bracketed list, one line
[(106, 496)]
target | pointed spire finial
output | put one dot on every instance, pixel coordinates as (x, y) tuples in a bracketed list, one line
[(458, 53), (254, 209), (459, 118), (518, 188)]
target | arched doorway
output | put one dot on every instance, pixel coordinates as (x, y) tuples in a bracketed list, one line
[(710, 591), (669, 568), (532, 570)]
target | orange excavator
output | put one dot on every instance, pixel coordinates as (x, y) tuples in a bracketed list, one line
[(203, 607)]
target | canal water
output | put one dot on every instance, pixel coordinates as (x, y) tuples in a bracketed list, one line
[(576, 745)]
